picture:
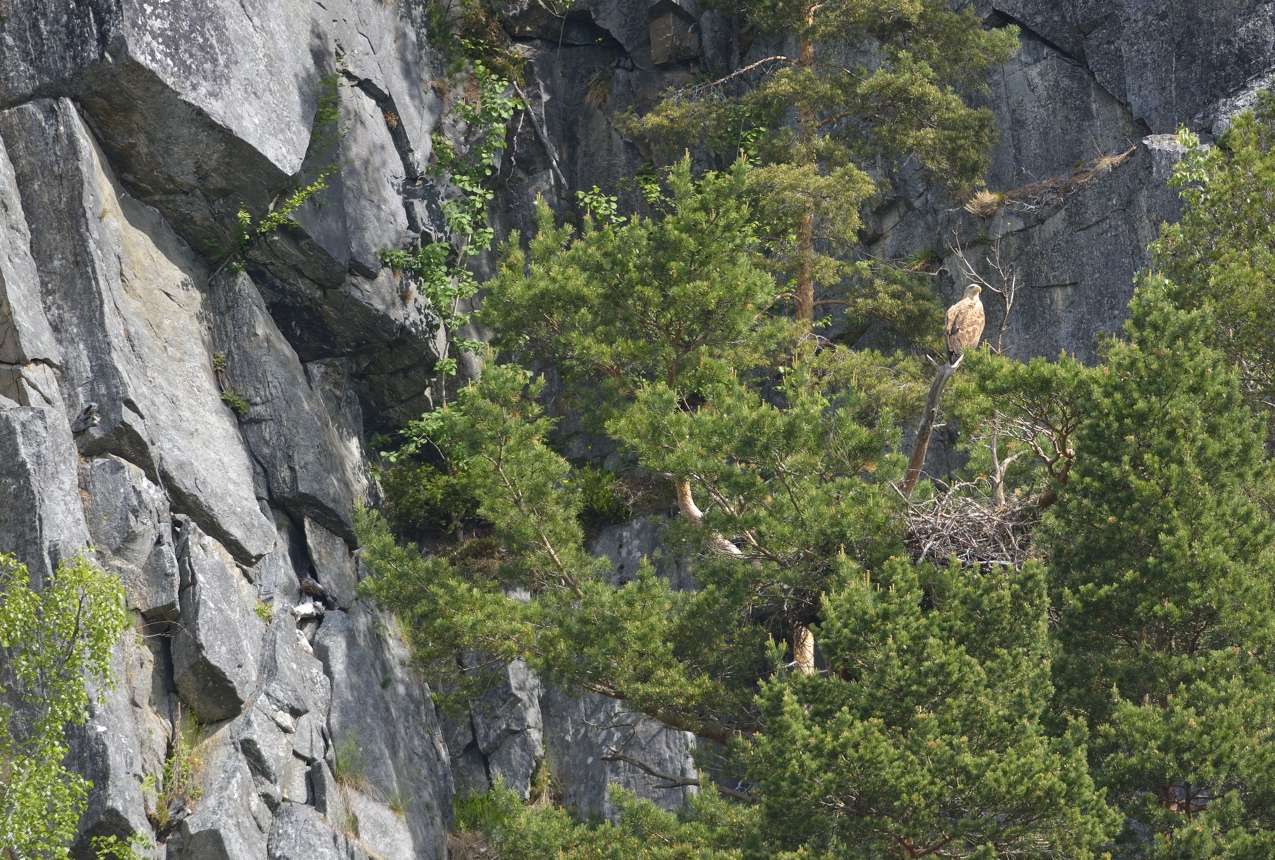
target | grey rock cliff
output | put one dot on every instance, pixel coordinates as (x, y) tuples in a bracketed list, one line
[(131, 133)]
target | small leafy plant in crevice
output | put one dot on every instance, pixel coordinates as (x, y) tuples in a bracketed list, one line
[(399, 800), (349, 765), (180, 790), (438, 270), (307, 186), (236, 402)]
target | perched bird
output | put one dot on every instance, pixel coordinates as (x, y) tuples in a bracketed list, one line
[(88, 417), (965, 323), (304, 643), (312, 587), (309, 609), (315, 590)]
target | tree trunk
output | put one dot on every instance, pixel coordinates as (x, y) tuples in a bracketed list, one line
[(686, 505), (923, 432), (803, 650), (806, 224), (805, 275)]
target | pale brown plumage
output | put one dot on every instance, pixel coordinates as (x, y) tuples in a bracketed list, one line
[(965, 323)]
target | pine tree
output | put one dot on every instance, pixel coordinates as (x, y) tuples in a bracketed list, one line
[(872, 82), (1222, 253), (931, 716), (927, 740), (1164, 580)]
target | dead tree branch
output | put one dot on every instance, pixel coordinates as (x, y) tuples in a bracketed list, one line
[(544, 138), (1005, 276), (926, 428)]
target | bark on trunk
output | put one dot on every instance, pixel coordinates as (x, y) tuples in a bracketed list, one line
[(806, 224), (803, 650), (686, 505), (805, 274), (923, 432)]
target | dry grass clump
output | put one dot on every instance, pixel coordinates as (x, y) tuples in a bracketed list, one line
[(470, 845), (1040, 194), (985, 203), (597, 93)]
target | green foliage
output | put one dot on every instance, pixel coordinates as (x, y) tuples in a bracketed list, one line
[(483, 812), (928, 738), (1026, 415), (573, 623), (601, 207), (643, 831), (113, 848), (181, 772), (326, 130), (398, 801), (306, 187), (1164, 580), (1024, 710), (675, 298), (659, 327), (468, 31), (872, 83), (246, 230), (602, 497), (421, 498), (236, 402), (438, 269), (349, 765), (264, 612), (1222, 253), (281, 216), (54, 637), (803, 486)]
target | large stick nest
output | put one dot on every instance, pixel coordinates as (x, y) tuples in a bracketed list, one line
[(954, 523)]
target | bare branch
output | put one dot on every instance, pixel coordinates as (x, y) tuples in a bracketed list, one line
[(700, 90), (544, 138), (1005, 276), (670, 780), (922, 444)]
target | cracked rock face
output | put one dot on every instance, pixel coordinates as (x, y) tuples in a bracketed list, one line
[(132, 133)]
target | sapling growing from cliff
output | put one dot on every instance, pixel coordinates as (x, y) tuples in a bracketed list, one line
[(53, 638), (438, 270), (305, 188)]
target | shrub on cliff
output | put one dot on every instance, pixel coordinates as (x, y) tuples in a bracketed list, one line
[(52, 638)]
